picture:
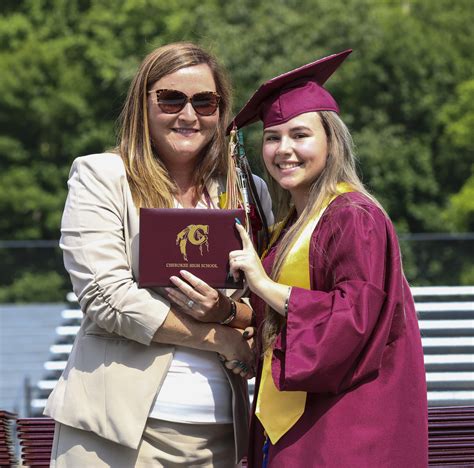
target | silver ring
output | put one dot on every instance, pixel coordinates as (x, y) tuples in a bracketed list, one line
[(190, 303)]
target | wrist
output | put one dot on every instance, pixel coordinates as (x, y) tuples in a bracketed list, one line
[(221, 339), (232, 312), (263, 288)]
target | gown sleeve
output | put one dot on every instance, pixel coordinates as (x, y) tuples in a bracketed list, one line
[(95, 253), (336, 332)]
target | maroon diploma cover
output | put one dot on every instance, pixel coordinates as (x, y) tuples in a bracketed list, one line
[(196, 240)]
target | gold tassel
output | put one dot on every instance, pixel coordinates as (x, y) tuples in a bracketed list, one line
[(233, 200), (234, 196)]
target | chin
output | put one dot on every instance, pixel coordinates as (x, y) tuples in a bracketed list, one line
[(187, 150), (287, 185)]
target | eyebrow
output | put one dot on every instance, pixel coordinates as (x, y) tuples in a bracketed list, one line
[(292, 129)]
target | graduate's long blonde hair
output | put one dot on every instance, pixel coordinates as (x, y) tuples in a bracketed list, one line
[(340, 167), (149, 180)]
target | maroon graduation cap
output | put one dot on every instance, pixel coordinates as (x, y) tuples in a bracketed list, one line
[(293, 93)]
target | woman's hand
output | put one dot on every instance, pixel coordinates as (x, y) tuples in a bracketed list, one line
[(239, 367), (195, 297), (238, 352), (248, 261), (276, 295)]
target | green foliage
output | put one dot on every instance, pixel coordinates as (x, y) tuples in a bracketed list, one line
[(406, 92), (460, 211), (456, 143), (467, 275), (35, 287)]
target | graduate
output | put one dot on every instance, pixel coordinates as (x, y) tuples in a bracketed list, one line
[(340, 378)]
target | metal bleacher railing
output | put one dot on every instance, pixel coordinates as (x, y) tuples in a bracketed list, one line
[(446, 318)]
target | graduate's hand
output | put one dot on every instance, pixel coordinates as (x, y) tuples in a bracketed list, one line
[(196, 298), (238, 353), (248, 261)]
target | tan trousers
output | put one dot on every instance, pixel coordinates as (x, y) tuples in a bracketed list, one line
[(164, 444)]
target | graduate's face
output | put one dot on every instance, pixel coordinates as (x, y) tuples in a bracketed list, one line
[(295, 153), (179, 138)]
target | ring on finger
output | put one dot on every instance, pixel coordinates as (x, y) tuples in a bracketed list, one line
[(190, 303)]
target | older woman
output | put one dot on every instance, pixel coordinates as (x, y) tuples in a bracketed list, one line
[(144, 385)]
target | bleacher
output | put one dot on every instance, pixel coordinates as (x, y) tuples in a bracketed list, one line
[(446, 318)]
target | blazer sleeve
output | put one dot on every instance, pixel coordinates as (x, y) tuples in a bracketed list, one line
[(95, 254), (336, 333)]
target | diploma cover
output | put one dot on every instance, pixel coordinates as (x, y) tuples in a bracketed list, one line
[(196, 240)]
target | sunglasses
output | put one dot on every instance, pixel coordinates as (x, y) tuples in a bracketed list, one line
[(171, 101)]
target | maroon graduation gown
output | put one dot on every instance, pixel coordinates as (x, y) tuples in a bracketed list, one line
[(353, 343)]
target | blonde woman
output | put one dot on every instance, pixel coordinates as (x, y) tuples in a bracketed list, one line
[(144, 385), (341, 381)]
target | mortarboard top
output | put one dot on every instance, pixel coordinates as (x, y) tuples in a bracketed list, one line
[(293, 93)]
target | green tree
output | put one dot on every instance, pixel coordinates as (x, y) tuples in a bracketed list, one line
[(406, 92)]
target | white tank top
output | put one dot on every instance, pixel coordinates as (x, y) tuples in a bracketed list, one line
[(196, 388)]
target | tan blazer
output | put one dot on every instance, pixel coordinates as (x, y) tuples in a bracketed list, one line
[(114, 370)]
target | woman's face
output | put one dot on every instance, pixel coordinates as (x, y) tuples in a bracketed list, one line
[(295, 153), (179, 138)]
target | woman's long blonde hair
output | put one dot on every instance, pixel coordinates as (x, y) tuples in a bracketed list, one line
[(149, 181), (340, 167)]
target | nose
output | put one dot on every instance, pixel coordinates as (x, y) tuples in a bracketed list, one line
[(188, 114), (284, 146)]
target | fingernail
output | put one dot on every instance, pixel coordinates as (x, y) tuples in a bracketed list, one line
[(245, 334), (222, 358), (237, 220)]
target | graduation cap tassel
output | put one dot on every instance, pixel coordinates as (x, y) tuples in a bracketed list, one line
[(250, 190), (232, 199)]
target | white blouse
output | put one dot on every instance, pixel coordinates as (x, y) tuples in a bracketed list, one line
[(196, 388)]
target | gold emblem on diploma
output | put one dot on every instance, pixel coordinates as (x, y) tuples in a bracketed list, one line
[(195, 234)]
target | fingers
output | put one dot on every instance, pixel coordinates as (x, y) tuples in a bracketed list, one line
[(181, 300), (240, 368), (234, 271), (246, 242), (187, 290), (248, 333), (238, 259), (197, 283), (237, 367)]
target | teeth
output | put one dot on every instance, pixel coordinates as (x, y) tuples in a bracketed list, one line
[(288, 165)]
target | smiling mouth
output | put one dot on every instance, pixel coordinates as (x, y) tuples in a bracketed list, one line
[(288, 165), (185, 131)]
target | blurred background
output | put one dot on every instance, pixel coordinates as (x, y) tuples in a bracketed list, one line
[(406, 92)]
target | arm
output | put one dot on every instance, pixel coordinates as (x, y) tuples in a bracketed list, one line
[(335, 336), (247, 260), (96, 258), (209, 304), (95, 254), (182, 330)]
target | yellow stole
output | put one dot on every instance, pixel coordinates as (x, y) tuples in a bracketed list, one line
[(279, 411)]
